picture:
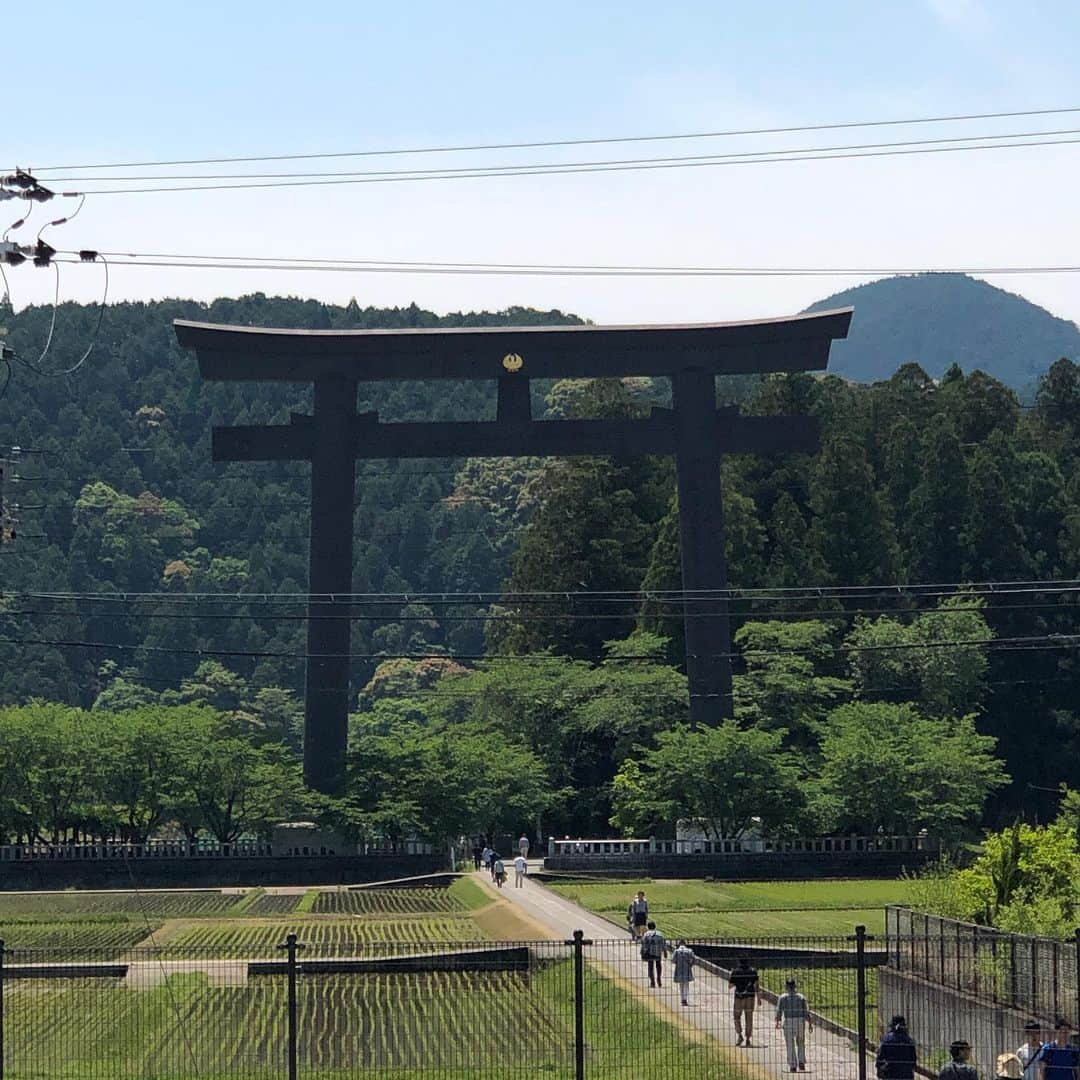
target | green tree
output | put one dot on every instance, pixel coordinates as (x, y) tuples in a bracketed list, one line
[(722, 778), (851, 529), (885, 766), (790, 682)]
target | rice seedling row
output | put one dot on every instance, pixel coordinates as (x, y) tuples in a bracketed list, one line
[(386, 901), (273, 904), (154, 904), (110, 938), (233, 938)]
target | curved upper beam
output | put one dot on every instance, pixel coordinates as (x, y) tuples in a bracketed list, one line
[(799, 343)]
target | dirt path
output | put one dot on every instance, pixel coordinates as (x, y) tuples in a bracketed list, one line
[(828, 1056)]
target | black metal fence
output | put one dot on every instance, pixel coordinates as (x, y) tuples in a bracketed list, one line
[(485, 1010), (1033, 975)]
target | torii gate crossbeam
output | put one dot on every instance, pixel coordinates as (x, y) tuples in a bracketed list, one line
[(693, 430)]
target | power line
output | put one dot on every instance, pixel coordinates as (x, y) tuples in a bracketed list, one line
[(826, 614), (435, 267), (551, 143), (764, 593), (561, 170), (1034, 643), (467, 170)]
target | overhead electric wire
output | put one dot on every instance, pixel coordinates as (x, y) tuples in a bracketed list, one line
[(467, 170), (924, 589), (555, 169), (419, 264), (552, 143), (32, 365), (1034, 643), (365, 266)]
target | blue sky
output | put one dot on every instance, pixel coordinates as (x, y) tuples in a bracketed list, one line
[(116, 82)]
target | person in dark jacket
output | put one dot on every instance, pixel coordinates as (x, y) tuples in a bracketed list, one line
[(896, 1056), (960, 1067)]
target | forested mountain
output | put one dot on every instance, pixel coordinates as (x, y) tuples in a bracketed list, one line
[(937, 320), (946, 481)]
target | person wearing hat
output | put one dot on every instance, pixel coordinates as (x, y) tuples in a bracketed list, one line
[(896, 1056), (959, 1068), (1029, 1052), (1059, 1059), (793, 1016)]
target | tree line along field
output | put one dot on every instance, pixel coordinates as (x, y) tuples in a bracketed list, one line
[(745, 909)]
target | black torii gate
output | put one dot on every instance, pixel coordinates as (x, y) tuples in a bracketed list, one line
[(692, 430)]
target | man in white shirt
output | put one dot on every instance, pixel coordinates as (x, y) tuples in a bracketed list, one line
[(1029, 1052), (523, 845), (521, 868)]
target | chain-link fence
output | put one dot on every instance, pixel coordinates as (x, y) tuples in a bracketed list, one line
[(482, 1010), (1032, 975)]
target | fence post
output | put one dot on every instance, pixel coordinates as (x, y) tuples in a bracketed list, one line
[(1013, 989), (579, 942), (860, 993), (3, 1048), (291, 949), (1076, 937)]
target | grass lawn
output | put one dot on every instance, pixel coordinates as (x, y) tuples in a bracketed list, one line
[(747, 909)]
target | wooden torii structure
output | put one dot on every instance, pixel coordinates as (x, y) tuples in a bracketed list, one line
[(693, 430)]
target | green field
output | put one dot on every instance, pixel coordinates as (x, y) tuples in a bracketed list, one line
[(192, 1007), (240, 937), (111, 922), (746, 909), (469, 1024)]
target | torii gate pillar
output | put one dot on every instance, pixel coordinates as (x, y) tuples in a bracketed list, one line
[(330, 562), (707, 628)]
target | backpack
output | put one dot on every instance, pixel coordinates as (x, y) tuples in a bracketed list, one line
[(651, 948)]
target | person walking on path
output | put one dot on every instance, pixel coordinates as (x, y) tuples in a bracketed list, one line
[(1059, 1059), (485, 857), (653, 950), (793, 1017), (521, 868), (683, 961), (1029, 1052), (523, 846), (477, 856), (896, 1056), (637, 914), (959, 1068), (744, 981), (494, 859), (498, 872)]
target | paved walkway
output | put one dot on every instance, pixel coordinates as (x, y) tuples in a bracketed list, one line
[(828, 1056)]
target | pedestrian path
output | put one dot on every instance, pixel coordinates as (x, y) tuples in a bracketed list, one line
[(828, 1056)]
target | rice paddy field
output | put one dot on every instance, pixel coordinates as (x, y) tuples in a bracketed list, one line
[(193, 1007), (467, 1024), (234, 938), (110, 923), (746, 909)]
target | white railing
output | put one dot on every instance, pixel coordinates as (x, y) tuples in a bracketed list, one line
[(112, 850), (150, 849), (823, 845)]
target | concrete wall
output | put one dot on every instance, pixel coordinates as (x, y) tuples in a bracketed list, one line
[(792, 866), (214, 872), (936, 1016)]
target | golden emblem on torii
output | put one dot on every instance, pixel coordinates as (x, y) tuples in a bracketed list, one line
[(512, 361)]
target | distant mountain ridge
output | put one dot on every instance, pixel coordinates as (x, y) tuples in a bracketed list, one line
[(936, 320)]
